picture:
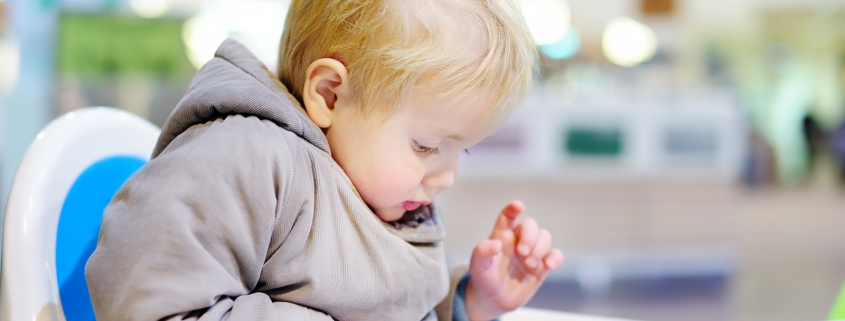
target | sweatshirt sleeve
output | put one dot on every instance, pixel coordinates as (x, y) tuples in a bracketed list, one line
[(459, 309), (445, 310), (457, 297), (186, 236)]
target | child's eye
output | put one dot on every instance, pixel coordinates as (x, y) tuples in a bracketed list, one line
[(426, 150)]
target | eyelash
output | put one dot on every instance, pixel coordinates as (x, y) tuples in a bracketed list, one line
[(430, 150), (426, 150)]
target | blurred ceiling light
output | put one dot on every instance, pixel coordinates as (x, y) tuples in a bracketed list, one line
[(548, 20), (11, 57), (565, 48), (258, 24), (150, 8), (627, 42)]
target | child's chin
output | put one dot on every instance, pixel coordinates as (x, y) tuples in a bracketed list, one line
[(389, 214)]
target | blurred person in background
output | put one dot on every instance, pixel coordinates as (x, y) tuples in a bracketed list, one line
[(837, 145)]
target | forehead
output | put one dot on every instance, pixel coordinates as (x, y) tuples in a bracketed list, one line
[(460, 116)]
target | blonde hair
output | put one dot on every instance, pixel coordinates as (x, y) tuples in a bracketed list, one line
[(392, 47)]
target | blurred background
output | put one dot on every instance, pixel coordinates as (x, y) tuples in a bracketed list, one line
[(688, 156)]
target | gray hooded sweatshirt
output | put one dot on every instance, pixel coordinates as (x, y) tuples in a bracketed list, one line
[(242, 214)]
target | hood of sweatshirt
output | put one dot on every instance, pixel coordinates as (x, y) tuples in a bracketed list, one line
[(236, 82)]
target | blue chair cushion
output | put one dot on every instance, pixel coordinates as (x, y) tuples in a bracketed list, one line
[(79, 226)]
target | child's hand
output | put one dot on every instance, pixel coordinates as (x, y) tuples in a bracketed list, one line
[(506, 269)]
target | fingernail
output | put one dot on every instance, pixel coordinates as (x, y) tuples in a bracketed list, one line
[(523, 249), (531, 262)]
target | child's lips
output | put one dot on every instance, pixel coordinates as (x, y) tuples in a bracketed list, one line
[(410, 206)]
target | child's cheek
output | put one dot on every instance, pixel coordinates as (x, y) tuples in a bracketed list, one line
[(399, 182), (385, 183)]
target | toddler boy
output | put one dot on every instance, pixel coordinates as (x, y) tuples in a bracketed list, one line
[(309, 197)]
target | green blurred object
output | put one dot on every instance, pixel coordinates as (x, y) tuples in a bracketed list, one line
[(99, 45), (838, 311), (594, 142)]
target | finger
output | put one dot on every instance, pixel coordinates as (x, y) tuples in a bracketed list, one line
[(526, 236), (508, 216), (553, 259), (485, 254), (544, 241)]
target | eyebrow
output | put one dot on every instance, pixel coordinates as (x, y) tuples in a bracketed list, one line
[(460, 139), (455, 137)]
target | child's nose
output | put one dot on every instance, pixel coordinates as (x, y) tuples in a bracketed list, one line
[(440, 180)]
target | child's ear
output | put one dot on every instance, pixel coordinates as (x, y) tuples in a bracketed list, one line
[(326, 86)]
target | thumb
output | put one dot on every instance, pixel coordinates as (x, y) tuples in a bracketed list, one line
[(484, 255), (507, 217)]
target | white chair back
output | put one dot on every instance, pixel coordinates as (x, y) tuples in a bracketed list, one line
[(66, 148)]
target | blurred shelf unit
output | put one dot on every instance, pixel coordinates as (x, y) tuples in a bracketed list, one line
[(709, 269), (690, 134)]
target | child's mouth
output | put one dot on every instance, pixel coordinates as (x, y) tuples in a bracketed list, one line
[(410, 206)]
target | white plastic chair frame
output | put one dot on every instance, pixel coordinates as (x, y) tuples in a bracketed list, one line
[(59, 154)]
